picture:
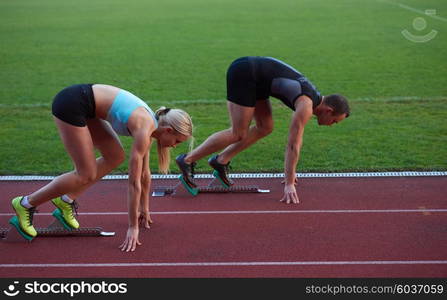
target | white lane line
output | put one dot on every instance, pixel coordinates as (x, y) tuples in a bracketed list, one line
[(252, 175), (233, 264), (235, 212)]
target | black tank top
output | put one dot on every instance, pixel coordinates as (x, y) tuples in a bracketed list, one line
[(283, 81)]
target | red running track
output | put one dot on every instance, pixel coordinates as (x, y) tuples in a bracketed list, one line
[(343, 227)]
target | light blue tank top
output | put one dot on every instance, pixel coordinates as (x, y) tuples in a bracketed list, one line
[(122, 107)]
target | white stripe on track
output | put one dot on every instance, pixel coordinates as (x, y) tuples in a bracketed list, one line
[(236, 212), (234, 264), (252, 175)]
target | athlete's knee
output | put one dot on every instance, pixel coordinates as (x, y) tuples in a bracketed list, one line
[(86, 176), (265, 129), (238, 135), (115, 159)]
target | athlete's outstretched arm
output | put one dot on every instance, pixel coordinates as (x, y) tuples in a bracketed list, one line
[(145, 217), (302, 114), (141, 127), (139, 149)]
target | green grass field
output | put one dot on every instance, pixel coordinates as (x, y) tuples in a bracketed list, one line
[(175, 53)]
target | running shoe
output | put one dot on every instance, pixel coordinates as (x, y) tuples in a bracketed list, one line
[(65, 213), (221, 171), (187, 177), (24, 217)]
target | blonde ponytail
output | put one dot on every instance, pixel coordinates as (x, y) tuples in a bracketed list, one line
[(181, 122)]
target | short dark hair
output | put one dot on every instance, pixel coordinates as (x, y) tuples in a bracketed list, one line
[(338, 103)]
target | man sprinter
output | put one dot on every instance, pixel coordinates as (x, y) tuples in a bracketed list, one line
[(250, 82)]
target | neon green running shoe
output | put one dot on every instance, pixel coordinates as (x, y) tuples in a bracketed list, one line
[(24, 216), (65, 214)]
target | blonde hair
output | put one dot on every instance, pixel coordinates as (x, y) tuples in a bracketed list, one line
[(181, 122)]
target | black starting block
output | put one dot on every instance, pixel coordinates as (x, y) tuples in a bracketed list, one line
[(55, 229), (210, 188)]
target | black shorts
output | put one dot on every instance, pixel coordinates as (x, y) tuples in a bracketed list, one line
[(243, 87), (75, 104)]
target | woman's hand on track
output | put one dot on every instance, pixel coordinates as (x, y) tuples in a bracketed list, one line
[(145, 220), (132, 241), (290, 195)]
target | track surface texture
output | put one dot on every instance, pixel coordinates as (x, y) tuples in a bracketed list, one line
[(342, 227)]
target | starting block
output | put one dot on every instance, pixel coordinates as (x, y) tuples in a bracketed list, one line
[(55, 229), (210, 188)]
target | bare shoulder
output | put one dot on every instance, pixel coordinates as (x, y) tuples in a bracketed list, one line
[(140, 120), (303, 108), (303, 103)]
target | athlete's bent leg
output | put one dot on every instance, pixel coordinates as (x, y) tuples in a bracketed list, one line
[(241, 117), (109, 145), (263, 127), (79, 145)]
